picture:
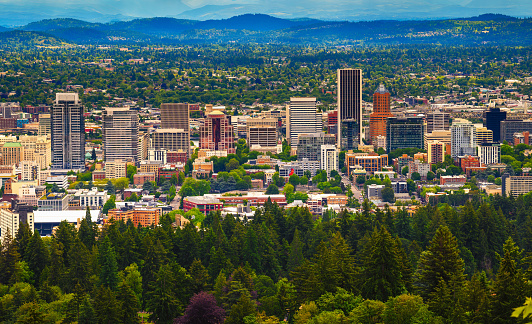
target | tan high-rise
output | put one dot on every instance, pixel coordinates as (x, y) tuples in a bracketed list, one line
[(174, 116)]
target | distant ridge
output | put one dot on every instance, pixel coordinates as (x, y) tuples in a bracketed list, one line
[(485, 29)]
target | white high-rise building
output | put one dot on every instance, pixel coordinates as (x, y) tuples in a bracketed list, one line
[(489, 153), (329, 158), (302, 119), (463, 139)]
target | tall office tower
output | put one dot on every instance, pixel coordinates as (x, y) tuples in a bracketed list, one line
[(309, 145), (463, 139), (120, 134), (68, 132), (437, 121), (349, 108), (264, 136), (492, 121), (175, 116), (171, 140), (44, 124), (329, 158), (511, 126), (332, 122), (381, 111), (217, 133), (404, 133), (302, 119)]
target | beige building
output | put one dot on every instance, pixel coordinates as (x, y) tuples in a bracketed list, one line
[(435, 152), (12, 153), (38, 149), (443, 136), (171, 140), (10, 219), (516, 185), (484, 135), (44, 124), (115, 169), (29, 170)]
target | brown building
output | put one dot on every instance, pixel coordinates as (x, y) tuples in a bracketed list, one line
[(381, 111), (12, 153), (217, 133), (141, 178), (8, 123), (436, 152), (174, 116), (141, 216), (369, 162)]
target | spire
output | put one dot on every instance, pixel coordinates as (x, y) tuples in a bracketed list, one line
[(381, 89)]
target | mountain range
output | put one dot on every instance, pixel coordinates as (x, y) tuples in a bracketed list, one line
[(488, 29), (21, 12)]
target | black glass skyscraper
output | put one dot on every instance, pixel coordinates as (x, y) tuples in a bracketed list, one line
[(349, 108), (492, 121)]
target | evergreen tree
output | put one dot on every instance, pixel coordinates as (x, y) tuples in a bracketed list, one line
[(106, 307), (87, 231), (87, 315), (22, 239), (509, 286), (243, 308), (79, 270), (381, 275), (295, 258), (9, 257), (200, 277), (161, 300), (440, 263), (56, 271), (108, 265), (37, 256), (129, 304)]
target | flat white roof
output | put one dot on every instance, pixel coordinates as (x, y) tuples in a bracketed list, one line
[(71, 216)]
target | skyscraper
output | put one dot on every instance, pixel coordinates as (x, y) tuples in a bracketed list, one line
[(492, 121), (120, 134), (174, 115), (381, 111), (463, 139), (302, 119), (437, 121), (174, 134), (216, 133), (404, 133), (68, 132), (349, 108)]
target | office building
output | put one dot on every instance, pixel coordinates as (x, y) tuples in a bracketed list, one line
[(484, 135), (492, 121), (28, 170), (369, 162), (175, 116), (349, 108), (437, 121), (68, 132), (54, 202), (463, 139), (332, 122), (12, 153), (120, 134), (115, 169), (309, 145), (44, 124), (436, 152), (516, 185), (489, 153), (329, 158), (404, 133), (13, 217), (302, 119), (263, 136), (375, 191), (381, 112), (217, 133), (511, 126), (171, 140)]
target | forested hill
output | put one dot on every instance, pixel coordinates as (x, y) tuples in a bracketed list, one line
[(489, 29)]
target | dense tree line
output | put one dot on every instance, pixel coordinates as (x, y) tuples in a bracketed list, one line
[(449, 265)]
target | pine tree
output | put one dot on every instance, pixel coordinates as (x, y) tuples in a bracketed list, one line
[(108, 265), (22, 239), (87, 232), (56, 271), (243, 308), (37, 256), (295, 258), (509, 286), (87, 315), (200, 277), (79, 270), (129, 304), (441, 262), (381, 276), (161, 300), (106, 307), (9, 257)]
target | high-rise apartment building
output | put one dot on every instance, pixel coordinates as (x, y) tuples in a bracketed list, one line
[(349, 108), (302, 119), (310, 145), (437, 121), (329, 158), (436, 152), (404, 133), (489, 153), (381, 111), (484, 135), (12, 153), (68, 132), (217, 133), (492, 121), (120, 134), (463, 139), (175, 116)]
